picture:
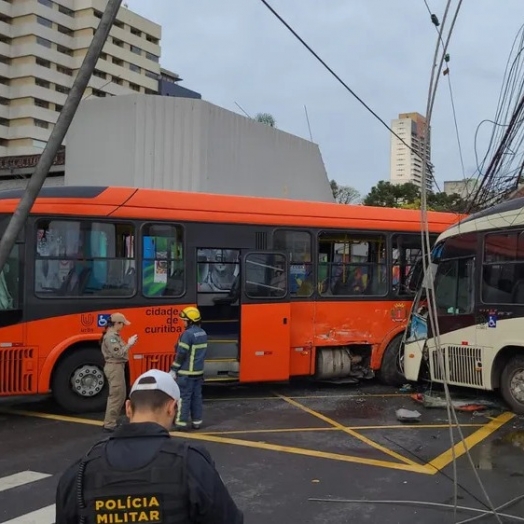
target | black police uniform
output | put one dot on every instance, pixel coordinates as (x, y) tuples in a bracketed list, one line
[(141, 474)]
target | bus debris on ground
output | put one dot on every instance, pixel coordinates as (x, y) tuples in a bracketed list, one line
[(429, 400)]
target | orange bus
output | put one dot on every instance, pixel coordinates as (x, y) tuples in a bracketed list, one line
[(286, 288)]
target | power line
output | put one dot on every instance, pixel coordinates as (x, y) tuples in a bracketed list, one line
[(308, 47), (450, 94), (431, 302)]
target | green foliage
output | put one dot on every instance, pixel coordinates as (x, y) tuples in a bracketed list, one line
[(407, 196), (266, 118), (386, 194)]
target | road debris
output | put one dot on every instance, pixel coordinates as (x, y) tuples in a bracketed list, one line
[(433, 401), (407, 415)]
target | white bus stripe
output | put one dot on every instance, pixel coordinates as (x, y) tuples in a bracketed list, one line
[(40, 516), (19, 479)]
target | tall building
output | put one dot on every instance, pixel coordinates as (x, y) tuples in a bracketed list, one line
[(405, 165), (42, 46), (168, 86)]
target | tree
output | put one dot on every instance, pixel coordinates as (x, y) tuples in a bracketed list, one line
[(444, 202), (344, 194), (407, 196), (386, 194), (266, 118)]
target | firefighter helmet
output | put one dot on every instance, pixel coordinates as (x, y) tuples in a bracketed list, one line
[(191, 313)]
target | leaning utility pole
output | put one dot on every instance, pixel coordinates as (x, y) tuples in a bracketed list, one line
[(59, 132)]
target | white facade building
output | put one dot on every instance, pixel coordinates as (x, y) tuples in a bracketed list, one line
[(405, 165), (189, 145), (464, 188), (42, 46)]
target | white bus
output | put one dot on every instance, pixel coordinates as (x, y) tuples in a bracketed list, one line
[(478, 266)]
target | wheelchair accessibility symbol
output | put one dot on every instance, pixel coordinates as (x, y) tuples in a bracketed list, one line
[(492, 320), (103, 319)]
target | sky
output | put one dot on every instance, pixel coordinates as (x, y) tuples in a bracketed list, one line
[(237, 52)]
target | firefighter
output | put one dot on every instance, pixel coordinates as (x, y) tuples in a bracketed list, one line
[(188, 369), (115, 352), (141, 474)]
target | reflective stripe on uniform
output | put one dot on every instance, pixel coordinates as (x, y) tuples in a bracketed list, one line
[(178, 421), (190, 373), (192, 354)]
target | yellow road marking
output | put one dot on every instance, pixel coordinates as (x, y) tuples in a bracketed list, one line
[(431, 468), (481, 434), (415, 468), (354, 434), (354, 428), (82, 420), (50, 416), (370, 395)]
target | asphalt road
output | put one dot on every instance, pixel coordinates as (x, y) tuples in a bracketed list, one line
[(279, 447)]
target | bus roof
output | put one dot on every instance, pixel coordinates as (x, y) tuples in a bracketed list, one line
[(501, 216), (160, 204)]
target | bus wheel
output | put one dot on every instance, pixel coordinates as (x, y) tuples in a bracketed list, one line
[(391, 370), (79, 383), (512, 384)]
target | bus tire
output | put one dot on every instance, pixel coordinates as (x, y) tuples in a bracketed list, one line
[(79, 384), (389, 372), (512, 384)]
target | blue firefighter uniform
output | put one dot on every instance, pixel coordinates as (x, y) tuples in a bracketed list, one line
[(189, 368)]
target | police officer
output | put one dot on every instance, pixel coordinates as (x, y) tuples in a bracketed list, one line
[(188, 369), (115, 352), (141, 474)]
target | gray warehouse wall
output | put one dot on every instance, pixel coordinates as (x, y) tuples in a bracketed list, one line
[(189, 145)]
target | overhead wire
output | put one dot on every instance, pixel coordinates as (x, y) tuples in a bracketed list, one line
[(426, 244), (344, 84), (503, 173), (429, 278), (452, 98)]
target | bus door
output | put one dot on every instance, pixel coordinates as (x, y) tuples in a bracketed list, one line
[(218, 298), (265, 334)]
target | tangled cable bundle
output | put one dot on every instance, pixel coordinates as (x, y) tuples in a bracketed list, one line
[(502, 175)]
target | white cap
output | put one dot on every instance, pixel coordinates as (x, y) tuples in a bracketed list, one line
[(163, 382)]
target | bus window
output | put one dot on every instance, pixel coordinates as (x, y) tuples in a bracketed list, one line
[(163, 272), (265, 275), (84, 258), (217, 274), (352, 264), (503, 268), (10, 283), (454, 286), (406, 252), (297, 244)]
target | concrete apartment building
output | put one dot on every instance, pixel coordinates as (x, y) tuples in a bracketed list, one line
[(42, 46), (405, 165), (464, 188)]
